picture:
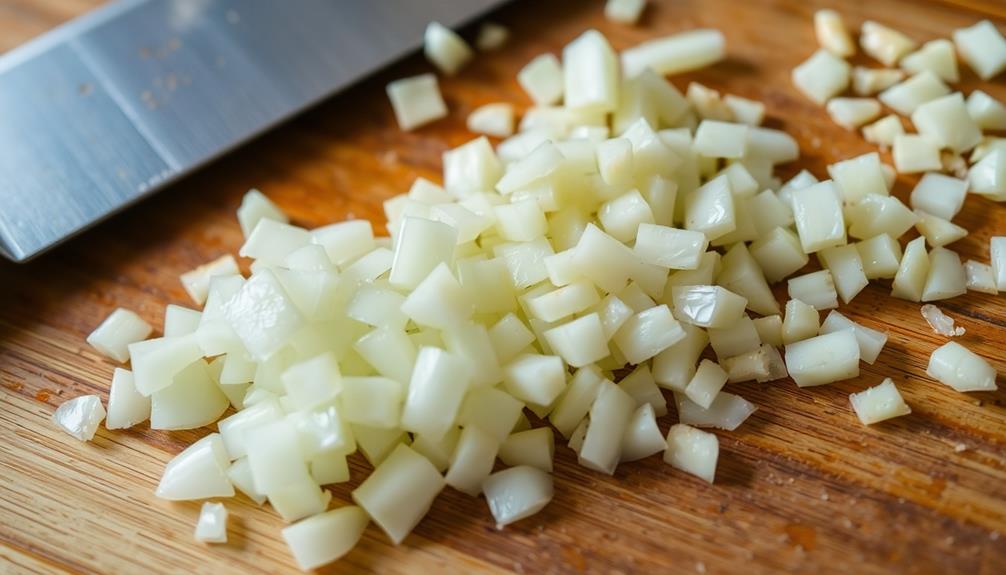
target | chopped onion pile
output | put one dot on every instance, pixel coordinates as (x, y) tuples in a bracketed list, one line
[(573, 272)]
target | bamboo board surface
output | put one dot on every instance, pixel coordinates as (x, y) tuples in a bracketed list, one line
[(801, 487)]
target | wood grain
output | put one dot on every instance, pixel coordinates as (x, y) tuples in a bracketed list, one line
[(802, 487)]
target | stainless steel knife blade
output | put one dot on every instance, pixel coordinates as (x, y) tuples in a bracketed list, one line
[(115, 105)]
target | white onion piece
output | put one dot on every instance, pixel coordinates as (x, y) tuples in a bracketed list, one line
[(491, 36), (495, 119), (884, 44), (179, 321), (624, 11), (541, 78), (126, 406), (946, 277), (822, 76), (801, 322), (869, 81), (590, 73), (709, 378), (980, 277), (816, 289), (212, 524), (445, 49), (240, 475), (832, 34), (986, 111), (533, 447), (909, 94), (947, 122), (642, 437), (851, 113), (325, 537), (438, 385), (870, 340), (192, 400), (416, 101), (879, 403), (675, 54), (517, 493), (960, 368), (693, 451), (937, 56), (472, 460), (884, 131), (80, 416), (983, 47), (727, 411), (915, 153), (399, 492), (254, 207), (198, 472), (115, 334), (910, 280), (609, 417), (823, 359), (988, 176), (574, 404), (197, 282)]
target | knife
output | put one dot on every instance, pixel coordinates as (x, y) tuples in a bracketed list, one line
[(122, 101)]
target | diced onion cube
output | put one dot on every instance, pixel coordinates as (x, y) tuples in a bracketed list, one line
[(445, 49), (120, 329), (869, 81), (818, 213), (870, 341), (883, 131), (983, 47), (946, 121), (541, 78), (910, 280), (325, 537), (399, 492), (823, 359), (832, 34), (534, 447), (472, 460), (517, 493), (624, 11), (494, 119), (590, 73), (80, 416), (851, 113), (212, 524), (198, 472), (802, 322), (642, 437), (946, 277), (197, 282), (609, 417), (960, 368), (822, 76), (693, 451), (884, 44), (915, 153), (986, 111), (491, 36), (416, 101), (126, 406), (937, 56), (675, 54), (727, 411), (908, 95), (879, 403)]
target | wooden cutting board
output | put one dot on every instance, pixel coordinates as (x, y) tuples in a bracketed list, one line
[(802, 486)]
